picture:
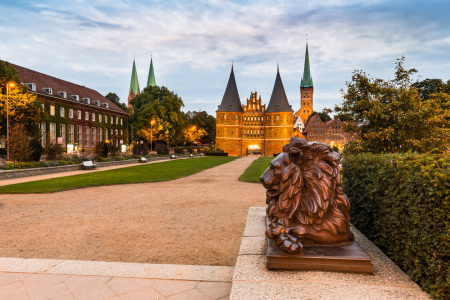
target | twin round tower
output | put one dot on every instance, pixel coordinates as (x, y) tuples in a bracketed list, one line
[(256, 129)]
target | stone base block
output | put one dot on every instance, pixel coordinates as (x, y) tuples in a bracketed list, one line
[(349, 257)]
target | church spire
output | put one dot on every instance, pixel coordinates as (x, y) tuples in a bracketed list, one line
[(278, 101), (231, 101), (134, 85), (151, 75), (306, 79)]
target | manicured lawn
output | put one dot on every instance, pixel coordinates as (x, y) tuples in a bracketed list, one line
[(256, 169), (154, 172)]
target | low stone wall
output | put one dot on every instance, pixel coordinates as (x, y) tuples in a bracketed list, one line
[(9, 174)]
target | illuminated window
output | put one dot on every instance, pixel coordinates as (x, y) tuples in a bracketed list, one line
[(52, 110), (62, 112)]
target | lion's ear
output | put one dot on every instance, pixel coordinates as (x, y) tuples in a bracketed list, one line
[(295, 153)]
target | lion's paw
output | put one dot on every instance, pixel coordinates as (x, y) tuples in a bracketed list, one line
[(289, 243)]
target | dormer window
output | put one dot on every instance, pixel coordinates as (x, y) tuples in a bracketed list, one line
[(76, 97), (63, 94), (48, 90), (105, 104), (96, 102), (31, 86), (87, 100)]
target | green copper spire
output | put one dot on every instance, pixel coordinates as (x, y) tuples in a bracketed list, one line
[(134, 85), (306, 79), (151, 75)]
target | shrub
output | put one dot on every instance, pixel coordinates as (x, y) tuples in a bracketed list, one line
[(178, 150), (113, 149), (53, 151), (19, 144), (402, 203), (335, 148), (162, 149), (190, 149), (37, 149), (101, 150)]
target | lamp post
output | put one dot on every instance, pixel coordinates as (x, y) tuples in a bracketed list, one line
[(151, 135), (11, 84)]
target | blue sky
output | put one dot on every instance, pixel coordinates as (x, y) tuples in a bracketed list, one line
[(93, 43)]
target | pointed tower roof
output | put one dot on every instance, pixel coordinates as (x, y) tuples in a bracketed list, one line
[(151, 75), (306, 79), (231, 101), (134, 85), (278, 101)]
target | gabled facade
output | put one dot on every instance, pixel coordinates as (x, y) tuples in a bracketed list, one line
[(253, 128), (77, 116)]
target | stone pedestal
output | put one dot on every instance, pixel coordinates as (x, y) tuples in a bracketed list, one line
[(348, 257)]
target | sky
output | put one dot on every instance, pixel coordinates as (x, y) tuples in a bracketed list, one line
[(93, 43)]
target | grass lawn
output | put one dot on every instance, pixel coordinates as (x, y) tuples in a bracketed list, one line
[(154, 172), (256, 169)]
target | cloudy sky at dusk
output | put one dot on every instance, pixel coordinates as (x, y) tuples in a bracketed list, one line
[(93, 43)]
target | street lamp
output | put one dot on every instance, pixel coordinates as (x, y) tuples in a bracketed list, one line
[(151, 135), (11, 84)]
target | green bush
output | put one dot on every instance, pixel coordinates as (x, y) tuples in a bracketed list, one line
[(178, 150), (162, 149), (37, 149), (402, 203), (53, 151)]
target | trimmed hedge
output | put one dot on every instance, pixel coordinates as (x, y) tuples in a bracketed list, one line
[(402, 203), (216, 154)]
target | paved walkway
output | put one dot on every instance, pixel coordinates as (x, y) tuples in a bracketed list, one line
[(71, 279)]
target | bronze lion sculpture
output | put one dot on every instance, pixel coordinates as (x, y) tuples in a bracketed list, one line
[(305, 200)]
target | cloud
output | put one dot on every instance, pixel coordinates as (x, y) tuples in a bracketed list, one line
[(93, 43)]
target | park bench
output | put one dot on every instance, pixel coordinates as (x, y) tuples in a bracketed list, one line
[(88, 165), (143, 160)]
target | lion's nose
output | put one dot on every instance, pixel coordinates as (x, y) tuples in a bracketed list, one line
[(261, 178)]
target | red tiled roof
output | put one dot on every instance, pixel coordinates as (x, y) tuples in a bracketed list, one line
[(58, 85)]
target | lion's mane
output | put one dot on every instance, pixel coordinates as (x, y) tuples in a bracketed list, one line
[(310, 192)]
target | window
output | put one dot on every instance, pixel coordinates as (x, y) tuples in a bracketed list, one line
[(53, 133), (79, 135), (70, 113), (121, 132), (112, 120), (237, 117), (117, 132), (86, 136), (112, 132), (278, 117), (94, 135), (93, 116), (100, 134), (106, 134), (79, 114), (117, 121), (43, 107), (71, 134), (62, 133), (86, 116), (43, 134), (106, 119), (121, 120), (52, 110), (224, 116), (62, 112), (100, 118)]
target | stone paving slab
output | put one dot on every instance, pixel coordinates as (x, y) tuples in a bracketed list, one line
[(252, 280), (17, 286)]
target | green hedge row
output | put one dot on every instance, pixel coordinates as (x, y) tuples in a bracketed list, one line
[(402, 203)]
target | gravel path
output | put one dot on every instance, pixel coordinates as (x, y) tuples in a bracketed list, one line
[(196, 220)]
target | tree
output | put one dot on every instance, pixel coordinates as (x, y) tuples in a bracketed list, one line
[(24, 108), (427, 87), (162, 106), (398, 118), (324, 115), (116, 100), (204, 125)]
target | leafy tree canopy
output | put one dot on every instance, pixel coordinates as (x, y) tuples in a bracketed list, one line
[(200, 127), (116, 100), (399, 118), (162, 106), (427, 87), (23, 106)]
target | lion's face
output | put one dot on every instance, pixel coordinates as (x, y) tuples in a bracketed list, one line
[(271, 178)]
